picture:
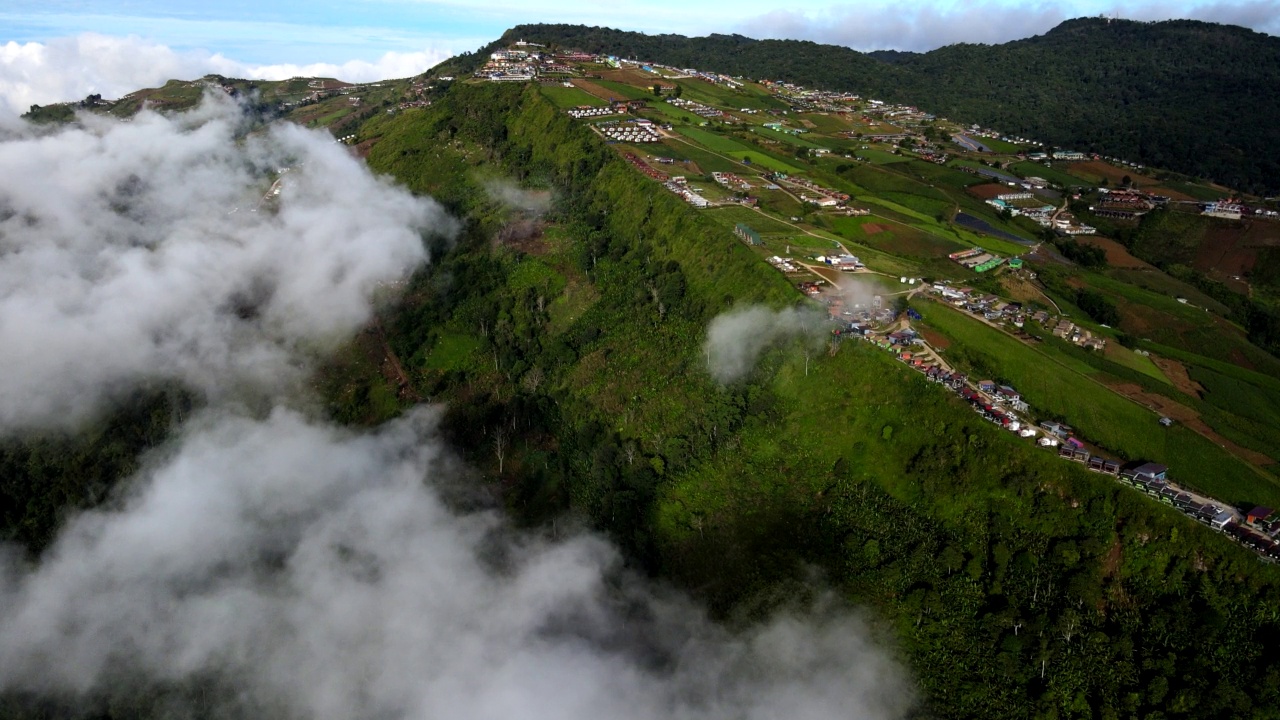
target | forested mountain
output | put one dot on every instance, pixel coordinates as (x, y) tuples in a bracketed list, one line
[(565, 342), (1191, 96)]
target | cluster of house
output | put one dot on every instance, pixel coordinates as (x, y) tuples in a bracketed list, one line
[(510, 65), (933, 155), (680, 186), (731, 181), (671, 72), (998, 404), (784, 264), (805, 100), (696, 108), (1226, 209), (1023, 203), (1067, 155), (843, 262), (818, 195), (1067, 330), (997, 135), (631, 131), (859, 320), (644, 167), (1125, 204), (901, 114), (780, 127), (1258, 532), (977, 259), (1067, 224), (994, 309), (526, 61), (589, 111)]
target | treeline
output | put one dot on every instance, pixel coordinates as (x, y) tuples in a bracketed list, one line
[(47, 475), (1186, 95)]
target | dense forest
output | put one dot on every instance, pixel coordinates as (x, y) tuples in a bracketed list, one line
[(1190, 96)]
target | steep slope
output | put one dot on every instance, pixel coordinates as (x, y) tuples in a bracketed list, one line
[(1015, 583), (1191, 96), (571, 359)]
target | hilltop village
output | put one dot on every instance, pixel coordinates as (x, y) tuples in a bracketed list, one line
[(836, 190), (993, 256)]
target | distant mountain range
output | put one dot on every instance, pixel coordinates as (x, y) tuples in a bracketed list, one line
[(1199, 98)]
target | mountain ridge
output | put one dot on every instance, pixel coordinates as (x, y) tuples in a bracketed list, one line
[(1122, 88)]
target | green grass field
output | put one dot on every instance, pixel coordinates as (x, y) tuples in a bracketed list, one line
[(1027, 169), (570, 97), (1199, 192), (707, 161), (711, 141), (625, 91), (1102, 417), (1128, 358), (709, 93), (999, 145), (895, 238), (934, 173), (1164, 284), (877, 156), (826, 123), (788, 138), (759, 158), (762, 224), (666, 112)]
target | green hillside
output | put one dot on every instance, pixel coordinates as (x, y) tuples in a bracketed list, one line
[(1016, 584), (1130, 89), (567, 348)]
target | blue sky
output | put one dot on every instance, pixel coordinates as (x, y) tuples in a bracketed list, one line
[(329, 31), (64, 49)]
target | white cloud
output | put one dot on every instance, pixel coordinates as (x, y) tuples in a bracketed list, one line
[(270, 564), (735, 339), (145, 249), (899, 27), (70, 68), (314, 572), (885, 26)]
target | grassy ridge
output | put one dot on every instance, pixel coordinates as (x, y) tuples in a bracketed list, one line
[(1059, 390)]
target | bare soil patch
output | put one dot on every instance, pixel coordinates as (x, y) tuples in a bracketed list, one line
[(1177, 374), (1185, 415), (873, 228), (826, 273), (1117, 255), (524, 235), (1239, 358), (1159, 403), (1223, 249), (1115, 176), (987, 191), (1022, 290), (935, 340), (593, 89)]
